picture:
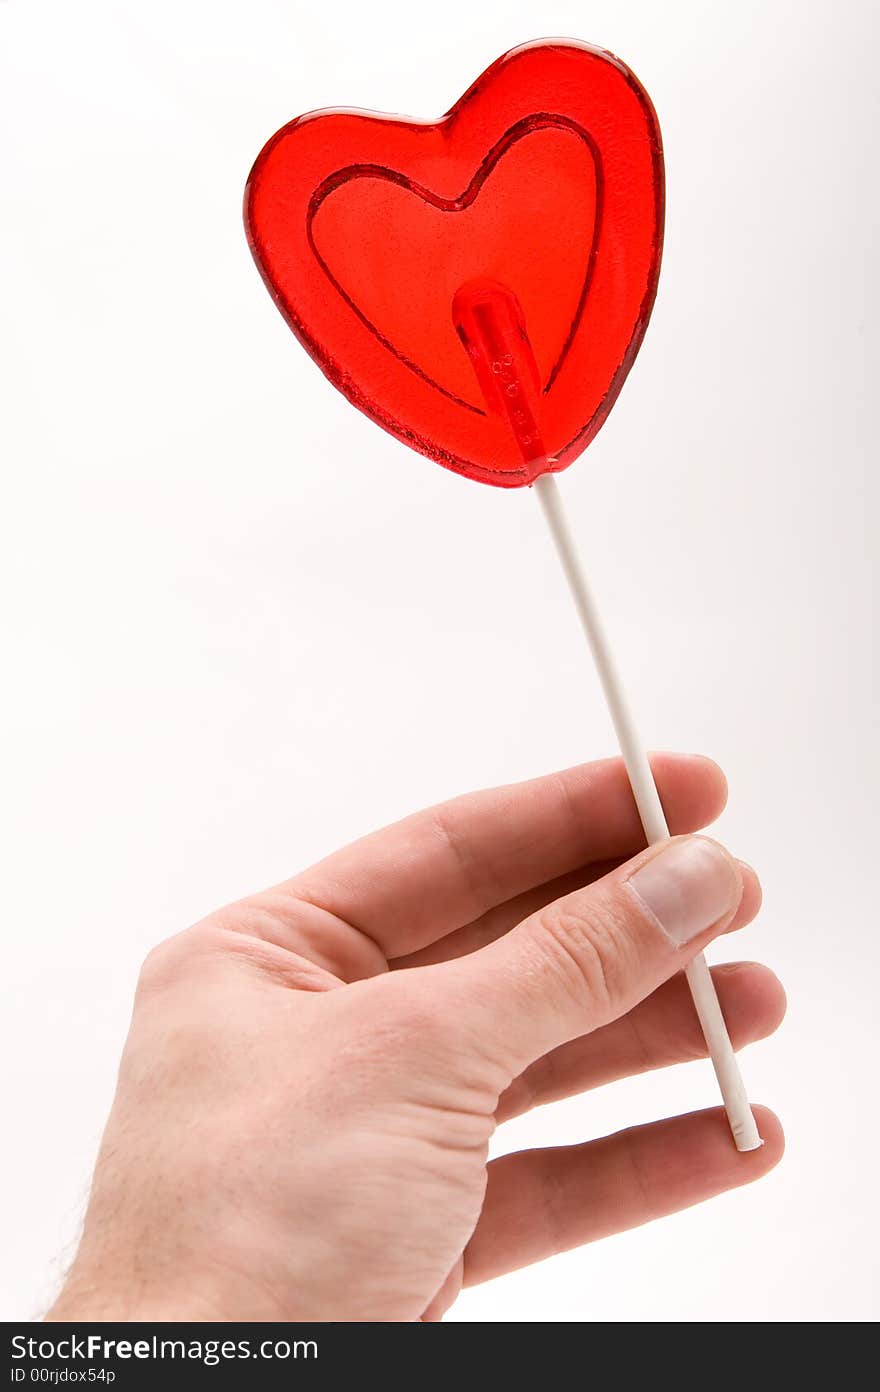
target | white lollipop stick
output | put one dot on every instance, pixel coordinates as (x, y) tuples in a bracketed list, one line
[(733, 1093)]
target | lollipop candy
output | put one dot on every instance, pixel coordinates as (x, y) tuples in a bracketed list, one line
[(546, 177), (479, 286)]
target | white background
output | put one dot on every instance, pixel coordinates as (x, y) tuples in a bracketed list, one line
[(241, 625)]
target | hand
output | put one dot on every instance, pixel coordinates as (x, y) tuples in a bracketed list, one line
[(313, 1075)]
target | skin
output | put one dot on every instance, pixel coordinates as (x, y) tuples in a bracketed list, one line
[(313, 1075)]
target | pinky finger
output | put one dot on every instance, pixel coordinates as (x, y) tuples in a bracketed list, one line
[(540, 1202)]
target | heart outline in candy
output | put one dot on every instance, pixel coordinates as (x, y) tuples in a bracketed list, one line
[(528, 124)]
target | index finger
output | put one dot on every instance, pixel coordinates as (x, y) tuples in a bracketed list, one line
[(433, 872)]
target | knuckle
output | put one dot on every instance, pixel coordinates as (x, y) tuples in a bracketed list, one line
[(165, 962), (156, 967), (589, 945)]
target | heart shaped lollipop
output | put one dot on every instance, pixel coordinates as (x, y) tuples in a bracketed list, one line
[(480, 286), (545, 178)]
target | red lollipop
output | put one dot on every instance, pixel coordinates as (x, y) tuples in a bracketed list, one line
[(546, 177), (480, 286)]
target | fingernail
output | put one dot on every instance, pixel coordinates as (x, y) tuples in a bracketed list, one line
[(687, 887)]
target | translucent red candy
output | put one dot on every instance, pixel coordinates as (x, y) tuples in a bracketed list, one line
[(478, 285)]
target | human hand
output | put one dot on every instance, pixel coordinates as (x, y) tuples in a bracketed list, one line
[(312, 1075)]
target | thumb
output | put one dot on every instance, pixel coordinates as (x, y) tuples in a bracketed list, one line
[(589, 957)]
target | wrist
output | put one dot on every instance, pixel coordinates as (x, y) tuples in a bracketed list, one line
[(119, 1295), (100, 1304)]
